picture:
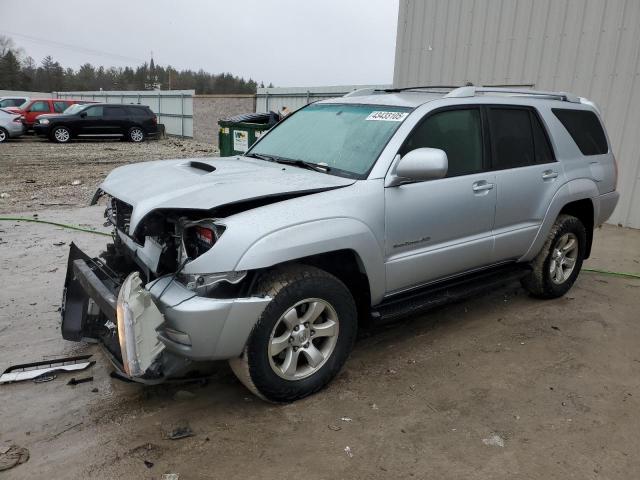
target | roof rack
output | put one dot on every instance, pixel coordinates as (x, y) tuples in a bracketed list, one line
[(463, 92), (424, 87)]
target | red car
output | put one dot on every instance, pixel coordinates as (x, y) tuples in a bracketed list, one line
[(40, 106)]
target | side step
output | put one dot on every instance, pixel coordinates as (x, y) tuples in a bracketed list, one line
[(434, 295)]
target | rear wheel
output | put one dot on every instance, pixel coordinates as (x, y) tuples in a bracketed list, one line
[(302, 338), (4, 135), (136, 134), (558, 264), (61, 135)]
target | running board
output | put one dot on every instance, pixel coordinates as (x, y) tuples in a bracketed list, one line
[(441, 293)]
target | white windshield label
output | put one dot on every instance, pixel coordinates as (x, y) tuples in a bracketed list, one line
[(387, 116)]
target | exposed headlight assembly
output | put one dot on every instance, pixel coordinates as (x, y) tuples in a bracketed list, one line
[(198, 237), (43, 121)]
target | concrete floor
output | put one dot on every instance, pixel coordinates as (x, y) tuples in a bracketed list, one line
[(500, 386)]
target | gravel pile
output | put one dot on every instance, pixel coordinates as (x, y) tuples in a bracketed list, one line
[(36, 174)]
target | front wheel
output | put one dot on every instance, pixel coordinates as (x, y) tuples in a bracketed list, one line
[(558, 264), (61, 134), (136, 135), (302, 338)]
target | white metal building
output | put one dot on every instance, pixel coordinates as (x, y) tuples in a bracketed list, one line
[(587, 47)]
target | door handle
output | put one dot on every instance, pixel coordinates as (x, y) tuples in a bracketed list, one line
[(482, 186), (549, 174)]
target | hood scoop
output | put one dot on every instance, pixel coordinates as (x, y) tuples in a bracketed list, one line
[(205, 167)]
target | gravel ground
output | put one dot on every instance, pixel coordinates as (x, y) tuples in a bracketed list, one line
[(36, 174)]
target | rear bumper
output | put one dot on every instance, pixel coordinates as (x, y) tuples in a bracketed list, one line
[(189, 327)]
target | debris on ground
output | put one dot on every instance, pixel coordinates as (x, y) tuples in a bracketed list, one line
[(178, 431), (43, 370), (170, 476), (335, 428), (494, 440), (346, 419), (148, 464), (348, 451), (12, 456), (76, 182), (76, 381)]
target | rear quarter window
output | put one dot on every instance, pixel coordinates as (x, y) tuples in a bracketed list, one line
[(585, 129)]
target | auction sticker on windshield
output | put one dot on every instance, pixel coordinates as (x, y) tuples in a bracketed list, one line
[(387, 116)]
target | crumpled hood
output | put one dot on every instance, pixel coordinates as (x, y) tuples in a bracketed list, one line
[(189, 183)]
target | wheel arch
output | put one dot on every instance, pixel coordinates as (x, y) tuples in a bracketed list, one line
[(573, 198)]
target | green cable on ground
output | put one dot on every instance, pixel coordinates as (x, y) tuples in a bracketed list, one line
[(615, 274), (46, 222)]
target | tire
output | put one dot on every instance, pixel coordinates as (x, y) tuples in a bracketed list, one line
[(135, 134), (293, 369), (4, 135), (61, 135), (558, 264)]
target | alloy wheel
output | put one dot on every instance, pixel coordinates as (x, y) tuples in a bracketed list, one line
[(303, 339), (563, 258), (62, 135), (137, 135)]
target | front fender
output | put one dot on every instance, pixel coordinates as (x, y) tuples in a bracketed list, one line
[(317, 237), (578, 189)]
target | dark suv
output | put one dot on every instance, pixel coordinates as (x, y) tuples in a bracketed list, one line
[(108, 120)]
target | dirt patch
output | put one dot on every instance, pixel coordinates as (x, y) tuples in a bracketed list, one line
[(36, 174)]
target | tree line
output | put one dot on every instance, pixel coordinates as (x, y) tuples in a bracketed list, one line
[(20, 72)]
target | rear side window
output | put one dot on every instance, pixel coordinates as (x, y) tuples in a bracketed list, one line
[(112, 112), (140, 111), (518, 138), (457, 132), (585, 129)]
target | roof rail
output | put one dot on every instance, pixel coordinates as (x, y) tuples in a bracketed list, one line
[(424, 87), (473, 91), (361, 92)]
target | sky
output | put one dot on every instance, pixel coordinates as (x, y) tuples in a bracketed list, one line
[(290, 43)]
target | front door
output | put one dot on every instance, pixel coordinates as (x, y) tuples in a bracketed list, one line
[(91, 121), (439, 228)]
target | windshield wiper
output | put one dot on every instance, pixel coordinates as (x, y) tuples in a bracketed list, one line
[(301, 163), (261, 156)]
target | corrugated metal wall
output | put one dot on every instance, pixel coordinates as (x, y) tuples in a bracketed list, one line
[(174, 108), (273, 99), (588, 47)]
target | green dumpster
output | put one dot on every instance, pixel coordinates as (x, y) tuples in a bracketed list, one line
[(237, 134)]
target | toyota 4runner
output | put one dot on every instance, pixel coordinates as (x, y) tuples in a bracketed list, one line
[(371, 206)]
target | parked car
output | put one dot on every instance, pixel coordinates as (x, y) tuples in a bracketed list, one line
[(367, 207), (6, 102), (131, 122), (10, 125), (39, 106)]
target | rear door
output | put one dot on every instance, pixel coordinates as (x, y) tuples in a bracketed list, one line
[(527, 177), (115, 120), (60, 106)]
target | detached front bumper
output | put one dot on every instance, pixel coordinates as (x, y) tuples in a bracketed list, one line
[(163, 319)]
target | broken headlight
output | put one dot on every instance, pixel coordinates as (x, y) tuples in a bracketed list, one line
[(204, 283), (198, 237)]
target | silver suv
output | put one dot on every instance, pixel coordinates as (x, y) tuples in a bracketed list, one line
[(366, 207)]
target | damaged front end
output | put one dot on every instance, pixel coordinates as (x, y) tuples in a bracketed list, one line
[(153, 320)]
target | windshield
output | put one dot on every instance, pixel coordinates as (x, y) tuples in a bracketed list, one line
[(11, 102), (75, 108), (345, 138)]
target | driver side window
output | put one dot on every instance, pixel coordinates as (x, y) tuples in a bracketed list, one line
[(458, 132)]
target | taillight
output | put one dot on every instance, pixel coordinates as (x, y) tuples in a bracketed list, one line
[(18, 119), (205, 235), (155, 120)]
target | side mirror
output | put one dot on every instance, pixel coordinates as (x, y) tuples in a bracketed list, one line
[(418, 165), (83, 115)]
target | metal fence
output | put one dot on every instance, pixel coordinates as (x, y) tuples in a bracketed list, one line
[(174, 108), (273, 99)]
